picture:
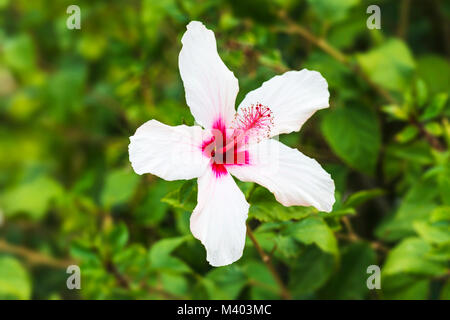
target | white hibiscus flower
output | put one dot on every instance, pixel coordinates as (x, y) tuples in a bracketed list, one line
[(239, 143)]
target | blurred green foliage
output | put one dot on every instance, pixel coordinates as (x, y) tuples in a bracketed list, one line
[(70, 99)]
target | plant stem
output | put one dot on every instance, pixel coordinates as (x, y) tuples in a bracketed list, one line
[(376, 245), (353, 237), (432, 140), (404, 18), (268, 262), (34, 257), (351, 233)]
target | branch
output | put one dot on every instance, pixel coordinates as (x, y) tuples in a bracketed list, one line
[(33, 257), (342, 58), (268, 262), (335, 53), (352, 236)]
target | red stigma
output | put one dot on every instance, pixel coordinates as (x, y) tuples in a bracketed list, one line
[(255, 122)]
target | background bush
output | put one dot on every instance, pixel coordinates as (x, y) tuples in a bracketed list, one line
[(70, 99)]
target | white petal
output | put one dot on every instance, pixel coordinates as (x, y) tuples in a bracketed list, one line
[(218, 220), (294, 178), (210, 87), (293, 97), (171, 153)]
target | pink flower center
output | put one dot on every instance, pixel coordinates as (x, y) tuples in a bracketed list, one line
[(228, 147)]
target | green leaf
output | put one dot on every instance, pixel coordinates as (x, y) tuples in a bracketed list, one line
[(32, 198), (15, 281), (404, 287), (310, 272), (208, 288), (19, 53), (407, 134), (416, 205), (443, 177), (65, 90), (133, 262), (332, 10), (186, 190), (230, 279), (434, 128), (151, 210), (265, 208), (354, 135), (435, 234), (344, 34), (313, 230), (439, 253), (435, 71), (390, 65), (184, 197), (276, 212), (174, 283), (409, 257), (361, 197), (83, 251), (335, 73), (4, 3), (337, 213), (153, 13), (272, 59), (165, 247), (396, 111), (435, 108), (285, 247), (92, 46), (171, 264), (440, 214), (117, 237), (23, 106), (119, 187), (350, 282), (417, 152), (421, 92), (160, 257), (263, 285)]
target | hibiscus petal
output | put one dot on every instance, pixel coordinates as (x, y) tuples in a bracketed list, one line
[(218, 220), (210, 87), (294, 178), (171, 153), (292, 97)]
